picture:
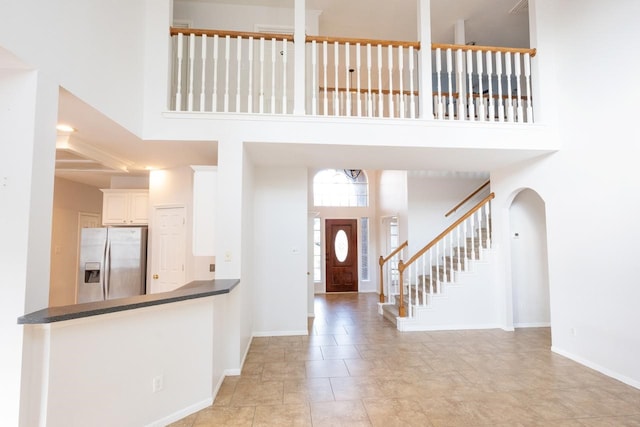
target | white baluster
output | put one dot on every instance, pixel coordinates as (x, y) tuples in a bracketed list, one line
[(472, 229), (250, 94), (284, 76), (401, 79), (336, 94), (347, 78), (444, 259), (488, 223), (261, 94), (192, 54), (369, 97), (492, 110), (358, 97), (480, 70), (423, 281), (464, 245), (325, 103), (380, 98), (459, 255), (439, 106), (517, 60), (507, 58), (451, 268), (430, 272), (390, 67), (437, 268), (500, 99), (449, 76), (409, 291), (527, 74), (273, 75), (478, 221), (460, 85), (470, 103), (314, 78), (238, 72), (411, 88), (179, 76), (203, 57), (226, 73)]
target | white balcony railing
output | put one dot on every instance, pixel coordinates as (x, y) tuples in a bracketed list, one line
[(240, 72)]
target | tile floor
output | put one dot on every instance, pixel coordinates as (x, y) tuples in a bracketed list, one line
[(356, 369)]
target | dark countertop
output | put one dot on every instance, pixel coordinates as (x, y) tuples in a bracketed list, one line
[(195, 289)]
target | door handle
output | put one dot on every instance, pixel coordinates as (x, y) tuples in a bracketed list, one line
[(155, 276)]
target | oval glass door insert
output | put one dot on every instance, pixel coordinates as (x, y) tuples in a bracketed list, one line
[(341, 245)]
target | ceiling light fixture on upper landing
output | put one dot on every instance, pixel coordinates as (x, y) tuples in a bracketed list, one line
[(61, 127)]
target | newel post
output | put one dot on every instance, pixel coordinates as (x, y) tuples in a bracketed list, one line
[(381, 263), (401, 310)]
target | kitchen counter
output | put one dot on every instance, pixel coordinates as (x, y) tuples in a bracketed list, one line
[(195, 289)]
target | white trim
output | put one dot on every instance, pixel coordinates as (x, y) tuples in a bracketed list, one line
[(279, 29), (532, 325), (280, 333), (178, 415), (405, 324), (597, 367), (231, 372)]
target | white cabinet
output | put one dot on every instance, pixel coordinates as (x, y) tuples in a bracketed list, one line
[(125, 207), (205, 183)]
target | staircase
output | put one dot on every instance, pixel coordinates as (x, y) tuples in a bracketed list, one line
[(447, 284)]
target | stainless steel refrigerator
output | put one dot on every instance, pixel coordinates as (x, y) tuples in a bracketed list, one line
[(113, 263)]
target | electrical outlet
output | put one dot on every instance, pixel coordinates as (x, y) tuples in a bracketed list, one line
[(212, 268), (158, 383), (227, 256)]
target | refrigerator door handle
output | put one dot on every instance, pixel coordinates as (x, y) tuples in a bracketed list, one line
[(107, 270)]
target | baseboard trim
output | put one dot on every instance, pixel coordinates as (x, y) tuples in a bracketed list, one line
[(183, 413), (280, 333), (408, 327), (532, 325), (597, 367)]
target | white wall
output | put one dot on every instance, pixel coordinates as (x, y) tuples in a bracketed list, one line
[(28, 103), (430, 197), (69, 199), (98, 364), (589, 187), (392, 201), (529, 264), (60, 35), (280, 251)]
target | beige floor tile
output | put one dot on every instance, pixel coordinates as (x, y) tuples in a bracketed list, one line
[(308, 390), (326, 368), (395, 412), (225, 416), (339, 414), (353, 388), (355, 368), (295, 415), (252, 393)]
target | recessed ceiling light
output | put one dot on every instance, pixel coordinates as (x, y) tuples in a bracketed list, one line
[(65, 128)]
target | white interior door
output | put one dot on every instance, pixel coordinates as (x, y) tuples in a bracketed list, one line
[(85, 220), (168, 249)]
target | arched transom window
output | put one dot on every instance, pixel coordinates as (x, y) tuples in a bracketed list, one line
[(341, 187)]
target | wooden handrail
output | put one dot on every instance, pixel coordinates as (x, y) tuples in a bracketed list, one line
[(445, 232), (466, 199), (383, 260), (402, 266), (464, 47), (174, 31), (344, 40)]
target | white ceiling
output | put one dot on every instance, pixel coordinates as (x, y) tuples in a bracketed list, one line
[(487, 22)]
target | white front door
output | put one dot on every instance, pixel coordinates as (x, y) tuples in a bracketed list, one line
[(168, 249)]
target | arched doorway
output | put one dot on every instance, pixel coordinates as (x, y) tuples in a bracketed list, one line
[(529, 261)]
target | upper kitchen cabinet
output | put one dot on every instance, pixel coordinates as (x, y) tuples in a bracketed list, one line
[(125, 207)]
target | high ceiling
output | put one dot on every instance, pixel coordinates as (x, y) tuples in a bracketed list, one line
[(101, 148)]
